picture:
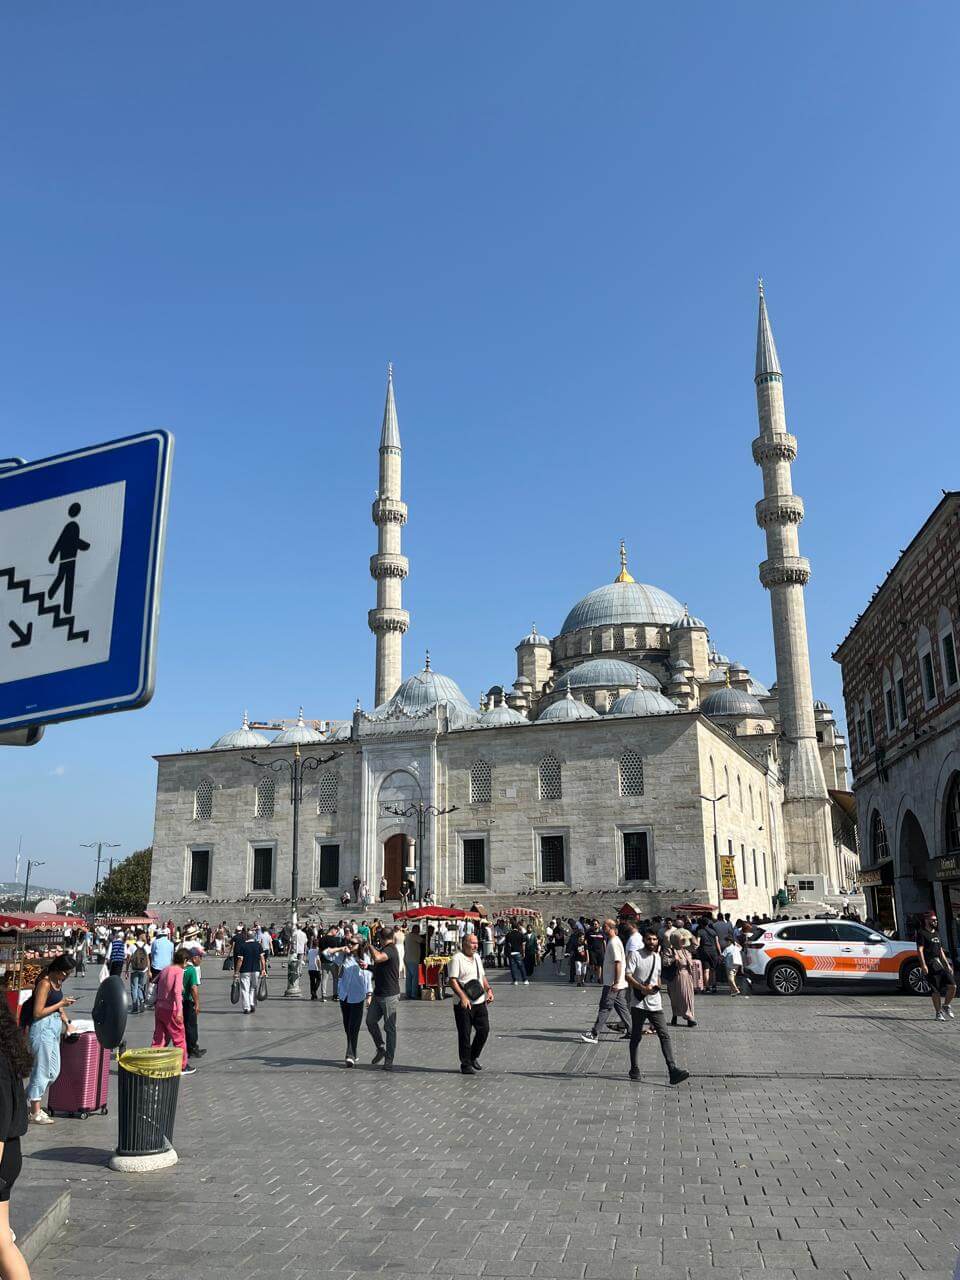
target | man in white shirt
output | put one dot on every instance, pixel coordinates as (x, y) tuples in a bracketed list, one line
[(614, 992), (469, 982), (643, 978)]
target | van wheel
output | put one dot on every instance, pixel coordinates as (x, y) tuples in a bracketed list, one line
[(913, 980), (784, 979)]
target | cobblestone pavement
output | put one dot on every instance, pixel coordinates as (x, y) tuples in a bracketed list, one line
[(816, 1138)]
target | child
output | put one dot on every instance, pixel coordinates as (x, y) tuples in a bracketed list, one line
[(581, 958), (733, 961), (191, 1003), (168, 1025)]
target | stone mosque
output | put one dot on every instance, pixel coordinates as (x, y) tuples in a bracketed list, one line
[(630, 756)]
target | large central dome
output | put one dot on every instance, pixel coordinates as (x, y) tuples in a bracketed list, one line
[(617, 603)]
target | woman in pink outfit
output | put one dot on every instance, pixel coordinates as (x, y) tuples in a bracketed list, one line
[(168, 1025)]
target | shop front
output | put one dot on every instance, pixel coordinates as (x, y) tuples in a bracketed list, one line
[(945, 873), (877, 885)]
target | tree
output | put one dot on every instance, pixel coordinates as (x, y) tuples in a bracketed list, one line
[(126, 890)]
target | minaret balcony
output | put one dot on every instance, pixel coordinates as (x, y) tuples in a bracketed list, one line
[(785, 571), (386, 620), (779, 508), (777, 447), (389, 511), (389, 565)]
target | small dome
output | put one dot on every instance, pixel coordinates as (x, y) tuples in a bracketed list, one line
[(820, 705), (298, 735), (686, 622), (757, 689), (718, 659), (425, 691), (730, 702), (535, 638), (716, 676), (738, 667), (681, 668), (607, 673), (568, 708), (632, 603), (242, 737), (501, 715), (642, 702), (522, 682)]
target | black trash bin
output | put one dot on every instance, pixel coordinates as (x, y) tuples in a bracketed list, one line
[(149, 1085)]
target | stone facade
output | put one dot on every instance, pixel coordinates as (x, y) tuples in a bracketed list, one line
[(901, 686)]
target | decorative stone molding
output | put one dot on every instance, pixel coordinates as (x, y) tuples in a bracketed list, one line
[(781, 447), (389, 565), (785, 571), (389, 511), (779, 508), (382, 620)]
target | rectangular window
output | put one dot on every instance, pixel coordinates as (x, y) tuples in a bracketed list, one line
[(888, 708), (860, 743), (806, 886), (199, 870), (949, 658), (329, 866), (902, 699), (756, 877), (929, 684), (636, 856), (743, 859), (871, 736), (263, 868), (552, 862), (474, 861)]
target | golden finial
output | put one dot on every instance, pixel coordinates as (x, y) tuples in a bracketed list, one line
[(624, 575)]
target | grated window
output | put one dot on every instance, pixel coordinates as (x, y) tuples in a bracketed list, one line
[(474, 861), (552, 861), (327, 788), (636, 856), (631, 774), (203, 801), (551, 779), (878, 839), (266, 797), (481, 782)]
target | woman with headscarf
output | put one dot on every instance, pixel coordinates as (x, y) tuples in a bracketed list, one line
[(678, 973)]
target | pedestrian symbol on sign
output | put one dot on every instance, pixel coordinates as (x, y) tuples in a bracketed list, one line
[(66, 549)]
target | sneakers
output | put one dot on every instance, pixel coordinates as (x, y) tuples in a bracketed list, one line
[(189, 1071), (349, 1062), (938, 1016), (526, 982), (196, 1053), (41, 1117), (948, 1011), (378, 1056), (677, 1075), (589, 1038)]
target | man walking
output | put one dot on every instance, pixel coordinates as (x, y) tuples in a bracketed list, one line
[(643, 977), (469, 983), (161, 954), (412, 959), (513, 947), (614, 992), (249, 965), (936, 967), (117, 954), (386, 996), (191, 1003)]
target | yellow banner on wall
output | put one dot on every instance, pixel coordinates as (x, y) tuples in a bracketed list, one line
[(728, 876)]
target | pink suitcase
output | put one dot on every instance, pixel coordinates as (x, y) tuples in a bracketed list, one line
[(81, 1086)]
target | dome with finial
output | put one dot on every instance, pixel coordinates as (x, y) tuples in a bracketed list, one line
[(687, 622), (607, 673), (642, 701), (242, 737), (299, 734), (501, 715), (623, 601), (731, 702), (535, 638), (424, 692), (568, 708)]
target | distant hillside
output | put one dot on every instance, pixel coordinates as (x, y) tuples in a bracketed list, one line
[(9, 888)]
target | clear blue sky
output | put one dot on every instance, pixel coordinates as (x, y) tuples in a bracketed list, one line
[(224, 219)]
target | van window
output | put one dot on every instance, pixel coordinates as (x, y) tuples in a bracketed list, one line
[(851, 932), (809, 931)]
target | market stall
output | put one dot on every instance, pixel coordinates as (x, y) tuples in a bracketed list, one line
[(27, 943), (433, 969)]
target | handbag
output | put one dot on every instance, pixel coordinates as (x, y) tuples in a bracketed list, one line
[(669, 971), (228, 964), (150, 995), (235, 991), (262, 992), (104, 973)]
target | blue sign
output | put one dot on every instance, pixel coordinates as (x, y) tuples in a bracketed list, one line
[(81, 549)]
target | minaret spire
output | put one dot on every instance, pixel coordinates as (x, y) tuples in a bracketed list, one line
[(785, 573), (389, 620)]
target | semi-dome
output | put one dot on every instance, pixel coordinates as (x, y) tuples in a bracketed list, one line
[(299, 734), (642, 702), (607, 673), (242, 737), (535, 638), (568, 708), (757, 689), (731, 702), (424, 692), (501, 715)]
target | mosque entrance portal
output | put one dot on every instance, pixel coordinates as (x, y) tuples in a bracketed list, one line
[(394, 850)]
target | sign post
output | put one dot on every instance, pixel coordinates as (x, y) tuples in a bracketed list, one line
[(81, 550)]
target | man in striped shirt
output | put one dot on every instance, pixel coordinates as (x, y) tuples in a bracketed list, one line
[(117, 954)]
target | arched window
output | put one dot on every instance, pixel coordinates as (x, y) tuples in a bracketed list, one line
[(739, 793), (713, 777), (928, 681), (753, 812), (726, 784), (952, 815), (203, 801), (481, 777), (631, 773), (551, 778), (900, 689), (948, 649), (879, 849), (266, 797), (328, 785), (889, 706)]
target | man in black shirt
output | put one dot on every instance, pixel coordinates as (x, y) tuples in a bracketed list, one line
[(386, 996), (513, 946), (937, 968)]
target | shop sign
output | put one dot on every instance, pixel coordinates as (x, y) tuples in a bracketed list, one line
[(872, 878), (947, 867)]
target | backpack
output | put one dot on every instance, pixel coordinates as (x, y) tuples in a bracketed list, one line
[(139, 959)]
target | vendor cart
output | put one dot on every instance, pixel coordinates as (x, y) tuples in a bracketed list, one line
[(433, 968), (28, 943)]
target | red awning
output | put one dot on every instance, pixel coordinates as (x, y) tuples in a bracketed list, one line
[(520, 911), (694, 907), (28, 920), (436, 913)]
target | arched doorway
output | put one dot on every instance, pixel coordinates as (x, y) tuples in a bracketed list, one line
[(914, 871), (394, 859)]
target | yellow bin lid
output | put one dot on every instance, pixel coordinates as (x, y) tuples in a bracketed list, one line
[(159, 1064)]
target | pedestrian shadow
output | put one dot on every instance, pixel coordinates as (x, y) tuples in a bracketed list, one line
[(73, 1155), (398, 1069)]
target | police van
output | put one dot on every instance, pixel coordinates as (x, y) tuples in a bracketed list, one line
[(790, 953)]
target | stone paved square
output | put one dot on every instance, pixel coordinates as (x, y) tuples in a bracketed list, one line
[(815, 1138)]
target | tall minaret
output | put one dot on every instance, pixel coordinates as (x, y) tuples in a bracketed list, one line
[(785, 573), (389, 620)]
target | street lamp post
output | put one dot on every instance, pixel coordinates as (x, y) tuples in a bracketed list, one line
[(715, 800), (295, 767), (99, 845), (31, 862), (422, 811)]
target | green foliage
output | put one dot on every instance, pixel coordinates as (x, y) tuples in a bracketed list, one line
[(126, 890)]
